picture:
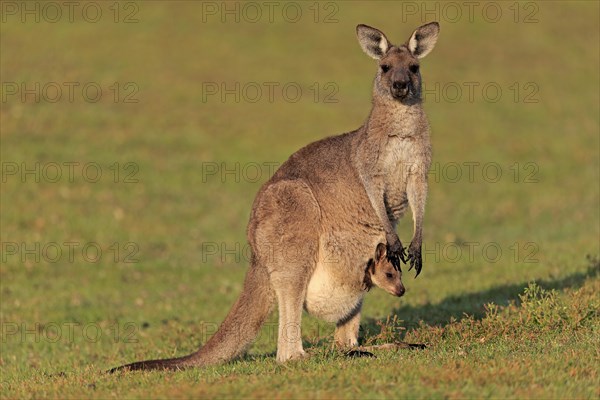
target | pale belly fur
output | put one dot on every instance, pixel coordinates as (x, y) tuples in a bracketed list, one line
[(327, 299)]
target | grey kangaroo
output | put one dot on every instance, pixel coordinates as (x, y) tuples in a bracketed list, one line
[(315, 223)]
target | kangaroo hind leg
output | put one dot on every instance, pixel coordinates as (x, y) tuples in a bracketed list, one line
[(286, 234)]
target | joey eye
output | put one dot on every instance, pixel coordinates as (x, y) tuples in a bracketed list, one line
[(389, 275), (385, 68), (414, 68)]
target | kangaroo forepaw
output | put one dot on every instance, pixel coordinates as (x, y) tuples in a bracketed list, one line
[(415, 258), (396, 253)]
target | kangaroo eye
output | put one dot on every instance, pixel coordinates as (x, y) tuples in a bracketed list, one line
[(414, 68), (389, 275), (385, 68)]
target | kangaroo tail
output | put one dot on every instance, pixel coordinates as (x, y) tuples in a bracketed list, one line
[(236, 333)]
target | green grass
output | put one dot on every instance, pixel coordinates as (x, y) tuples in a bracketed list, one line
[(524, 325)]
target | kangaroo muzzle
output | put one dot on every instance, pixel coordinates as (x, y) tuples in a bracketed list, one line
[(400, 89)]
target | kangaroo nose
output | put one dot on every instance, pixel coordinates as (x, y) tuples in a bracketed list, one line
[(400, 85)]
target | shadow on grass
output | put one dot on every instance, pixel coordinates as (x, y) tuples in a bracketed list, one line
[(456, 307), (453, 307)]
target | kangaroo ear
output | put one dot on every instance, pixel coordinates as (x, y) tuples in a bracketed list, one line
[(423, 39), (372, 41), (380, 252)]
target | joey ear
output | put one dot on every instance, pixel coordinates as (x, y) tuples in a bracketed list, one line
[(380, 252), (423, 39), (372, 41), (370, 270), (370, 267)]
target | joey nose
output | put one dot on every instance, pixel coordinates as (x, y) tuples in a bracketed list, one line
[(400, 291)]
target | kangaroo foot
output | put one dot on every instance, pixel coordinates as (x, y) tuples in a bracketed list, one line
[(360, 353), (392, 346), (285, 356)]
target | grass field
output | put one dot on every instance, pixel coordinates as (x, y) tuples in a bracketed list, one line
[(130, 160)]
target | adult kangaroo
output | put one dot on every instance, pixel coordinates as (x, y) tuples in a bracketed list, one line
[(315, 223)]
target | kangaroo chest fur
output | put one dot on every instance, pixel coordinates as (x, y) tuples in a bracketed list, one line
[(404, 150), (399, 161)]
